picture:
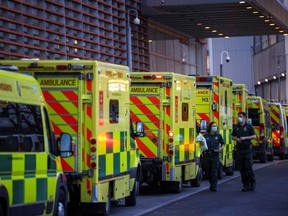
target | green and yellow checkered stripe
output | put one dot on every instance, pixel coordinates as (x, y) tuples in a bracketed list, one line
[(184, 145), (113, 157), (27, 178), (227, 153)]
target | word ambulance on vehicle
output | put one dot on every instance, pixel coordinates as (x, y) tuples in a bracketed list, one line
[(31, 177), (165, 103), (259, 113), (214, 104), (279, 129), (90, 100)]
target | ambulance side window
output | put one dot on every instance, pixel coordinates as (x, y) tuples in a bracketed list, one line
[(114, 111), (185, 111), (20, 127)]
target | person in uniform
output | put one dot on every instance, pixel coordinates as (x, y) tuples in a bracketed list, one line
[(243, 133), (215, 144)]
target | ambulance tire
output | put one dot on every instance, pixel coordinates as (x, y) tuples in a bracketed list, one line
[(105, 208), (131, 200), (61, 204), (282, 156), (176, 187), (271, 156), (197, 181), (263, 158), (229, 171), (1, 210), (220, 171)]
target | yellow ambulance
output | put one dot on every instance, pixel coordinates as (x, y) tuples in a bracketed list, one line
[(259, 116), (165, 103), (214, 104), (90, 100), (240, 93), (279, 129), (31, 177)]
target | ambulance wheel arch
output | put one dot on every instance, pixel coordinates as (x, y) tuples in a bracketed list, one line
[(4, 200)]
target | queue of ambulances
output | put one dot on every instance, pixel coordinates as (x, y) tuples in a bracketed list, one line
[(279, 129), (165, 103), (31, 177), (259, 113), (240, 93), (90, 100), (214, 104)]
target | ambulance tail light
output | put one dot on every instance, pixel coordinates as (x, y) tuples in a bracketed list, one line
[(93, 141), (262, 132), (93, 149), (93, 165), (281, 134), (171, 152), (171, 136)]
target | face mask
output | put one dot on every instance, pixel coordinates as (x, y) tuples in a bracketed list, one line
[(240, 120), (214, 129)]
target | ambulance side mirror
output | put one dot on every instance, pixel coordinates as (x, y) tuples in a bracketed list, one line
[(65, 145), (139, 129)]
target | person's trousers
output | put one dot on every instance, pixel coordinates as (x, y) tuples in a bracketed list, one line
[(244, 162), (212, 161)]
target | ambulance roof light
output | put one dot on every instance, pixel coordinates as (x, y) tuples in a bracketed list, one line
[(203, 79), (27, 59), (147, 77), (62, 67), (9, 67), (167, 77)]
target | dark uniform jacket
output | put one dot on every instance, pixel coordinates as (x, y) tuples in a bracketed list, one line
[(213, 141), (243, 131)]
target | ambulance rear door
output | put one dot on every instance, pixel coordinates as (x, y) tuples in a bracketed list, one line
[(62, 94), (204, 105), (146, 106)]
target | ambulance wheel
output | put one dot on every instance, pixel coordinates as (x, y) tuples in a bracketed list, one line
[(282, 156), (197, 181), (271, 156), (176, 187), (263, 158), (1, 210), (61, 204), (131, 200), (105, 208), (229, 171)]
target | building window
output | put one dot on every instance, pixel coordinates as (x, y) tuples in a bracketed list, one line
[(265, 41)]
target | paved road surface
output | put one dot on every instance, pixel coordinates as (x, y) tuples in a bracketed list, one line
[(269, 198)]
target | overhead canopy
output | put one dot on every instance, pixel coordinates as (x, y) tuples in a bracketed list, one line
[(219, 18)]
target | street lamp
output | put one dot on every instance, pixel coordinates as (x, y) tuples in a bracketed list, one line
[(129, 43), (221, 62)]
